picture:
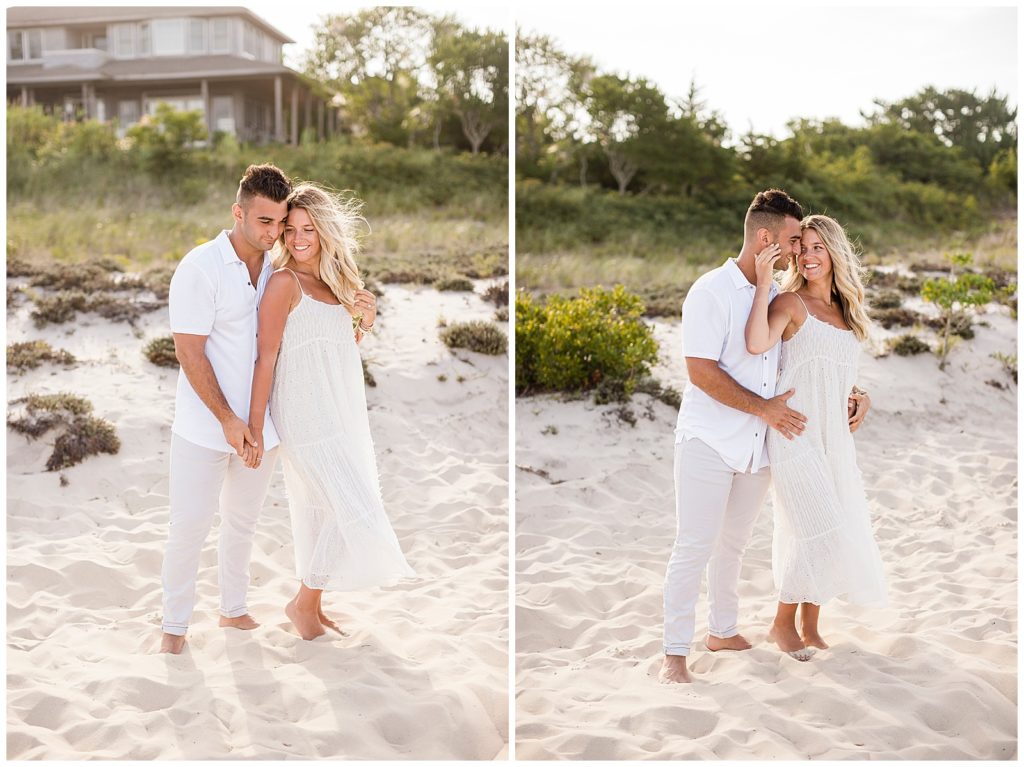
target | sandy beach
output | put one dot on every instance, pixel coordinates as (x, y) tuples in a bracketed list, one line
[(423, 672), (933, 676)]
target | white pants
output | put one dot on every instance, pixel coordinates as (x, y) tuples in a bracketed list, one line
[(716, 507), (201, 480)]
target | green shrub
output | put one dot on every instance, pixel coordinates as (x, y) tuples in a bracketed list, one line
[(83, 434), (908, 345), (454, 283), (501, 314), (573, 344), (889, 318), (477, 336), (887, 299), (160, 351), (28, 355), (497, 294), (955, 295), (64, 305)]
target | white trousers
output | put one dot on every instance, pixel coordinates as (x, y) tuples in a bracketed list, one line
[(716, 507), (201, 481)]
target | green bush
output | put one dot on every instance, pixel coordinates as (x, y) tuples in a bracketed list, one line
[(160, 351), (83, 434), (28, 355), (574, 344), (477, 336), (908, 345), (899, 317), (497, 294), (454, 283), (955, 296)]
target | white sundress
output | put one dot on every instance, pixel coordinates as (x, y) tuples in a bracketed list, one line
[(343, 538), (823, 546)]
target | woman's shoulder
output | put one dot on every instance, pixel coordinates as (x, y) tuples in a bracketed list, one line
[(788, 300)]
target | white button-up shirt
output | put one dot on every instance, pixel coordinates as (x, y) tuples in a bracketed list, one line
[(212, 295), (715, 314)]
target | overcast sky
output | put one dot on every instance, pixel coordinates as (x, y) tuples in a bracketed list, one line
[(765, 65)]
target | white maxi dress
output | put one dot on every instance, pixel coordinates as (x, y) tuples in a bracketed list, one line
[(823, 546), (343, 538)]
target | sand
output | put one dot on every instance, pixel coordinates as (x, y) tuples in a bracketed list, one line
[(423, 674), (931, 677)]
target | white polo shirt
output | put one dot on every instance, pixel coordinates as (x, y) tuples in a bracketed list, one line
[(211, 295), (715, 314)]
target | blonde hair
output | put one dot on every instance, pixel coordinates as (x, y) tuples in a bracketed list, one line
[(336, 220), (847, 272)]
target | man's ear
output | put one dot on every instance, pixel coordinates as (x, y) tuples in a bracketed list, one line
[(763, 237), (236, 211)]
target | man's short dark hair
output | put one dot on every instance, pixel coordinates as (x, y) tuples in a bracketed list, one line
[(265, 181), (768, 210)]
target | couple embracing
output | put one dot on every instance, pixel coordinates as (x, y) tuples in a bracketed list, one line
[(772, 400), (267, 318)]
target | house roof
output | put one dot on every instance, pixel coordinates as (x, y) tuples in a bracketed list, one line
[(142, 70), (54, 16)]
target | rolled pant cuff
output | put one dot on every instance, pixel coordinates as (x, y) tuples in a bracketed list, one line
[(237, 612), (677, 650), (724, 634), (178, 631)]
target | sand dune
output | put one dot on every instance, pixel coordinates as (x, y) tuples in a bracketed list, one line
[(934, 676), (423, 672)]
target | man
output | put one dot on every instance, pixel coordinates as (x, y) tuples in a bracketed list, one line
[(721, 459), (214, 297)]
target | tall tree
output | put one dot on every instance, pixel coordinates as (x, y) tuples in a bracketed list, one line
[(471, 69)]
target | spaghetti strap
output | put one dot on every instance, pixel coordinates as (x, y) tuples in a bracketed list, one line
[(293, 274), (806, 310)]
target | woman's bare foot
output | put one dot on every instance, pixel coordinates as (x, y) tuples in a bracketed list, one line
[(172, 643), (714, 644), (244, 622), (673, 670), (789, 641), (325, 621), (306, 622), (813, 639)]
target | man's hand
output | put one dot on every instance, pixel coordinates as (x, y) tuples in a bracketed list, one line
[(857, 409), (254, 454), (782, 417), (237, 433)]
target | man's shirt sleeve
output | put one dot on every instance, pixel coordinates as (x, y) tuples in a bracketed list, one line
[(705, 326), (191, 301)]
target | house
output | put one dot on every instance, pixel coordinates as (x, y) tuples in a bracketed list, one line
[(119, 63)]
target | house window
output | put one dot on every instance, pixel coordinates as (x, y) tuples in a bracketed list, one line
[(127, 113), (223, 113), (123, 47), (169, 37), (145, 39), (179, 103), (25, 41), (219, 38), (251, 40), (197, 36)]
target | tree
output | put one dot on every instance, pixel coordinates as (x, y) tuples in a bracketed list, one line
[(471, 70)]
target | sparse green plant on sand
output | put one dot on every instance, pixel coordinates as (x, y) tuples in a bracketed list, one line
[(497, 294), (454, 283), (28, 355), (956, 295), (1009, 362), (160, 351), (82, 434), (501, 314), (477, 336), (907, 345)]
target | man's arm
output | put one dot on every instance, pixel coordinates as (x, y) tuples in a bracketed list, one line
[(707, 376), (191, 353)]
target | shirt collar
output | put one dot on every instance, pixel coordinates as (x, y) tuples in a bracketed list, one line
[(738, 280), (227, 250)]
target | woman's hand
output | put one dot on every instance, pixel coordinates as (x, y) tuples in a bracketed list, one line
[(857, 409), (764, 264), (254, 456), (366, 305)]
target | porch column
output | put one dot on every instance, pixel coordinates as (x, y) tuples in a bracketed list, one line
[(24, 96), (307, 117), (278, 116), (320, 120), (204, 94), (294, 114), (86, 106)]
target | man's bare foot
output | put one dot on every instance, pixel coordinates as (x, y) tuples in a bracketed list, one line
[(306, 623), (789, 641), (737, 642), (813, 639), (172, 643), (244, 622), (673, 670)]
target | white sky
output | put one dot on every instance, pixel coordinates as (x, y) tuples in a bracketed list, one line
[(819, 61)]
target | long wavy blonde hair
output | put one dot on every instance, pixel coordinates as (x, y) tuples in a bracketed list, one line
[(847, 272), (337, 221)]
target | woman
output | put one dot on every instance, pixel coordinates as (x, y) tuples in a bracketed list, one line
[(310, 318), (823, 546)]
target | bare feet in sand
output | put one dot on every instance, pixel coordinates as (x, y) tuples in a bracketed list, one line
[(325, 621), (172, 643), (673, 670), (789, 641), (244, 622), (813, 639), (714, 644), (306, 622)]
